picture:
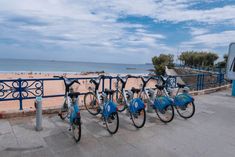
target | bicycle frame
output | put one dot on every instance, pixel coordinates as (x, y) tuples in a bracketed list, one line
[(145, 90), (103, 102), (127, 103)]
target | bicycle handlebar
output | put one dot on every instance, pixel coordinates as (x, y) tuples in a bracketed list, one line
[(99, 78), (67, 79)]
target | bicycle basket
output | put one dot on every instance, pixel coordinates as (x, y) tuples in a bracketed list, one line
[(162, 102), (183, 99), (109, 108), (136, 105)]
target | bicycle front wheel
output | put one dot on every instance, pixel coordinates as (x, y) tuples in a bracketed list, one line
[(112, 123), (120, 101), (187, 111), (77, 131), (166, 115), (138, 118), (64, 111), (91, 103)]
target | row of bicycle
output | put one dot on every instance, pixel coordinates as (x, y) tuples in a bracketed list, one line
[(110, 102)]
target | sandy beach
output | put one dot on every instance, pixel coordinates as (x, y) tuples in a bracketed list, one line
[(57, 87)]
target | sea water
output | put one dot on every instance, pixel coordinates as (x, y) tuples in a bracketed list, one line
[(18, 65)]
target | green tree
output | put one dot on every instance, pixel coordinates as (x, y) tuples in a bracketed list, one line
[(194, 58), (223, 63), (161, 61)]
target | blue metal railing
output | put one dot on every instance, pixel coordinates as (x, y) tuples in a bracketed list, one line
[(23, 89), (208, 69)]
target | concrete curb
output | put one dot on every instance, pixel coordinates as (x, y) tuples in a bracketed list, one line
[(210, 90), (30, 112), (27, 112), (56, 109)]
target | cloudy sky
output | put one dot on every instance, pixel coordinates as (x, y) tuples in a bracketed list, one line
[(122, 31)]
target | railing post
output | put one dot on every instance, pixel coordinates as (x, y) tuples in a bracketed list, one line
[(203, 75), (220, 78), (117, 89), (110, 83), (103, 84), (110, 87), (20, 94), (42, 88), (198, 81)]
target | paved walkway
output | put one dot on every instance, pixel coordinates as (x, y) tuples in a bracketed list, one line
[(210, 133), (172, 72)]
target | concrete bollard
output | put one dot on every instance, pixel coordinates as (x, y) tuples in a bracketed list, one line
[(149, 107), (38, 106), (152, 96)]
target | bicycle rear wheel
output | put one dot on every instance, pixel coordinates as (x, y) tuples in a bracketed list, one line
[(91, 103), (119, 100), (77, 131), (139, 118), (64, 111), (166, 115), (112, 123), (187, 111)]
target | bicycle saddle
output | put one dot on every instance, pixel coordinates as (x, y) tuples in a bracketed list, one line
[(109, 91), (124, 80), (164, 79), (181, 85), (70, 82), (135, 90), (74, 94), (146, 80), (96, 82), (160, 87)]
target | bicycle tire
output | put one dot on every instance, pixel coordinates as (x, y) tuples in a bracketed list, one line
[(86, 104), (120, 102), (133, 117), (64, 111), (178, 109), (111, 117), (77, 135), (171, 115)]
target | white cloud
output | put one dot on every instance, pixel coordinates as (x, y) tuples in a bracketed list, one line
[(168, 10), (211, 40), (198, 31), (70, 24)]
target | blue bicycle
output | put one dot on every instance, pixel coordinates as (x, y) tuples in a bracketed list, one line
[(135, 106), (183, 102), (101, 103), (162, 105), (70, 108)]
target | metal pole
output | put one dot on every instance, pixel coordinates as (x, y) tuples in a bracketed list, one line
[(233, 88), (20, 94), (38, 106)]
